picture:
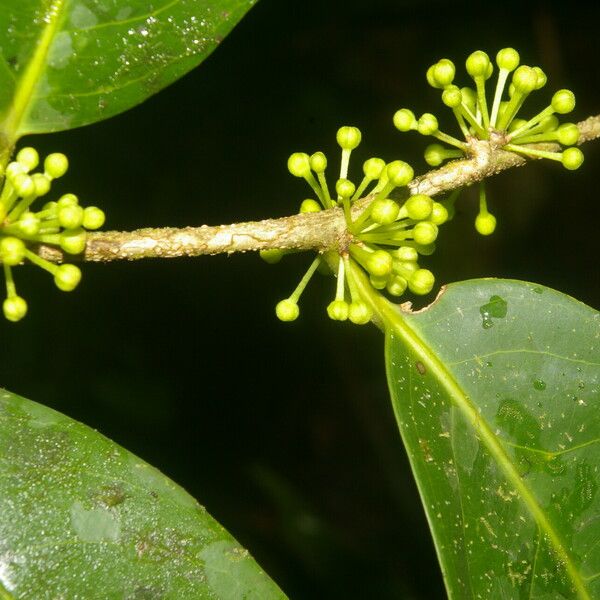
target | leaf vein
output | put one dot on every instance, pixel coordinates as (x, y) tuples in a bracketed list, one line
[(553, 453), (474, 358)]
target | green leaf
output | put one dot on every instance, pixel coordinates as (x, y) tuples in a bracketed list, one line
[(67, 63), (80, 517), (496, 391)]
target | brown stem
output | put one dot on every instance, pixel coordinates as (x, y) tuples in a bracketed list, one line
[(311, 231)]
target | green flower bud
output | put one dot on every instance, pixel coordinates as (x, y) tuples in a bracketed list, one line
[(485, 223), (430, 78), (41, 183), (397, 285), (56, 165), (425, 232), (469, 96), (318, 162), (427, 124), (399, 173), (271, 255), (23, 184), (28, 158), (359, 313), (478, 64), (70, 217), (338, 310), (572, 158), (405, 268), (348, 137), (516, 124), (72, 241), (443, 72), (310, 206), (14, 308), (404, 120), (426, 249), (29, 224), (379, 263), (378, 283), (451, 211), (541, 78), (93, 217), (384, 211), (525, 79), (507, 59), (418, 207), (563, 101), (439, 214), (407, 254), (452, 96), (12, 250), (373, 168), (421, 282), (435, 155), (67, 277), (287, 310), (344, 188), (567, 134), (14, 168), (51, 206), (67, 200), (299, 164)]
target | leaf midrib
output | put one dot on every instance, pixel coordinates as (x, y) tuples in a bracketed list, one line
[(27, 83), (393, 320)]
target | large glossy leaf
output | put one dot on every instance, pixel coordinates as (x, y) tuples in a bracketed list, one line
[(80, 517), (66, 63), (496, 389)]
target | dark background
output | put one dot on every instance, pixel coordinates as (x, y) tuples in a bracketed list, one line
[(285, 431)]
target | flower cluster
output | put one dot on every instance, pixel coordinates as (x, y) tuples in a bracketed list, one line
[(386, 238), (62, 223), (495, 120)]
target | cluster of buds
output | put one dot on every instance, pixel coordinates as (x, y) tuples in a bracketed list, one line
[(387, 237), (496, 120), (62, 223)]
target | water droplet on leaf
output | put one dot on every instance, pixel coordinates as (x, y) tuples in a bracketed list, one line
[(496, 308)]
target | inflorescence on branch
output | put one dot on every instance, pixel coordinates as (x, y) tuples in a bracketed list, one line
[(62, 224), (307, 231), (382, 225), (387, 237)]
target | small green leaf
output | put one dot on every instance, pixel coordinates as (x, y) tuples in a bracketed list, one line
[(80, 517), (496, 389), (67, 63)]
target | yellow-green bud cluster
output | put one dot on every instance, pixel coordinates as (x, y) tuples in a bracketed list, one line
[(479, 118), (344, 308), (388, 235), (62, 223), (495, 117), (392, 235)]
